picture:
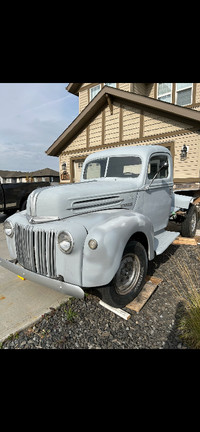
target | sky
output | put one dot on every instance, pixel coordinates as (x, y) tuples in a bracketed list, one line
[(32, 116)]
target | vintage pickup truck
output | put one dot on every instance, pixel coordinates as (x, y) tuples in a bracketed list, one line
[(102, 231)]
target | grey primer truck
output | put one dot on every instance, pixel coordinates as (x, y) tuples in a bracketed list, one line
[(102, 231)]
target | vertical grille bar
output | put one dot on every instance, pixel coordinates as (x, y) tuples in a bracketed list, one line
[(36, 250)]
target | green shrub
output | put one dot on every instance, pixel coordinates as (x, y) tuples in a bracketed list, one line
[(189, 325), (186, 283)]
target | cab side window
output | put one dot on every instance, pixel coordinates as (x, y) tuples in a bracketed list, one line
[(154, 165)]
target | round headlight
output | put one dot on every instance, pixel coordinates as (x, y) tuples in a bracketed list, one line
[(8, 228), (65, 242)]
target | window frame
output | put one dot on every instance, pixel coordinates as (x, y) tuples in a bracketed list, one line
[(100, 87), (174, 93), (183, 89), (164, 94), (91, 88)]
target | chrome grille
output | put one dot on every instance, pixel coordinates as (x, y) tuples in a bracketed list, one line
[(36, 250)]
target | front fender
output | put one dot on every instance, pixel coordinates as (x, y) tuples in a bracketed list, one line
[(100, 265)]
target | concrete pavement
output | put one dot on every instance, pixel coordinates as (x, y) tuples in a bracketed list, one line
[(21, 302)]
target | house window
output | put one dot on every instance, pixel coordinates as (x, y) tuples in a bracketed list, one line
[(94, 91), (183, 94), (165, 92)]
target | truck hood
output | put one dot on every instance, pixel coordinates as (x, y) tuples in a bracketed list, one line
[(58, 202)]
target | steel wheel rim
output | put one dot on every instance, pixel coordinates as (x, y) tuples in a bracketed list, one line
[(128, 274), (193, 222)]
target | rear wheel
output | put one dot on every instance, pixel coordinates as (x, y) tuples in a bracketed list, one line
[(130, 277), (189, 225)]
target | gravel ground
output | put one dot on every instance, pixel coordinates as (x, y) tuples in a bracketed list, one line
[(84, 324)]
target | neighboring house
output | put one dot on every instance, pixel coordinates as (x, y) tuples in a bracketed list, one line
[(123, 114), (45, 174)]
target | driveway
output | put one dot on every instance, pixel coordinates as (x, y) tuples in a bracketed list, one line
[(21, 302)]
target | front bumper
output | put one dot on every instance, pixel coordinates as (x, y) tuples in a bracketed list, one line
[(63, 287)]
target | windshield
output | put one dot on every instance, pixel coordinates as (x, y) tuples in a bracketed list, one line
[(129, 166)]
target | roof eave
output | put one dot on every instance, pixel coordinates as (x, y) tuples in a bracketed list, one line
[(74, 88), (79, 123)]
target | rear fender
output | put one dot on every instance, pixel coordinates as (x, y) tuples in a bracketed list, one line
[(180, 202), (100, 265)]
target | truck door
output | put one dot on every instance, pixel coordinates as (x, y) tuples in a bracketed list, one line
[(157, 199), (1, 199)]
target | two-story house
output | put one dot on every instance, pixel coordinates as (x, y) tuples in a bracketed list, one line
[(123, 114)]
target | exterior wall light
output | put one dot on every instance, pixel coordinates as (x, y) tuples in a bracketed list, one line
[(184, 151)]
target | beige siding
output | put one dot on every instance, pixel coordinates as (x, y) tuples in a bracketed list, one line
[(111, 125), (124, 86), (131, 123), (79, 142), (95, 131), (83, 100), (155, 124), (85, 84), (139, 88), (197, 92), (150, 89), (189, 168), (84, 96)]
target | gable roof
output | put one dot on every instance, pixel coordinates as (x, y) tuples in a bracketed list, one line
[(110, 94), (12, 174), (45, 172)]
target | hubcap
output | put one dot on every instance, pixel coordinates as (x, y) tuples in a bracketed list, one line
[(128, 274), (193, 222)]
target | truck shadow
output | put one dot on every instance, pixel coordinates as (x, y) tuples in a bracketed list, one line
[(159, 260), (174, 339)]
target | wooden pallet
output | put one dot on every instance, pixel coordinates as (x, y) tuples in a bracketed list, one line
[(186, 241), (137, 304), (148, 289)]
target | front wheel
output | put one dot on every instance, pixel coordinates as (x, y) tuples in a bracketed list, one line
[(130, 277)]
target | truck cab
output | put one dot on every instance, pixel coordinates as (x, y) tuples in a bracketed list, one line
[(102, 231), (136, 170)]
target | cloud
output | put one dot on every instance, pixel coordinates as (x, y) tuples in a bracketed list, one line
[(32, 116)]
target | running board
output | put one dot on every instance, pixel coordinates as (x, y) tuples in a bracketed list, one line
[(163, 239)]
